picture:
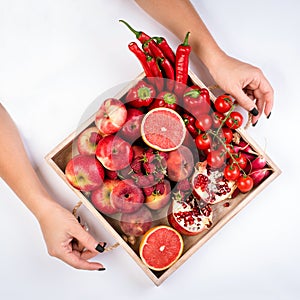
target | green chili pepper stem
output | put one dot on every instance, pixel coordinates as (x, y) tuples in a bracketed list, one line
[(193, 93), (137, 33), (158, 39), (186, 40)]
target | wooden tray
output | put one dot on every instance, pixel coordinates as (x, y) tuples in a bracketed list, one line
[(61, 154)]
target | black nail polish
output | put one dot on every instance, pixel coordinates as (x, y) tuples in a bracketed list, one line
[(254, 111), (268, 116), (101, 269), (100, 248), (254, 124)]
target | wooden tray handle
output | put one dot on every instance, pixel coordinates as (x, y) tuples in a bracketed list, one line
[(74, 212)]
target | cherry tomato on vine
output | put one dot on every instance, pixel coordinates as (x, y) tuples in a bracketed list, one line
[(203, 141), (217, 119), (216, 159), (203, 122), (232, 172), (227, 135), (228, 149), (235, 120), (223, 103), (244, 183), (240, 159)]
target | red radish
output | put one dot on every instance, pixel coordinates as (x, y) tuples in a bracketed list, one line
[(259, 176)]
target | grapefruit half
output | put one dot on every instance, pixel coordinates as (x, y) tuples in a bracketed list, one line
[(163, 129), (160, 247)]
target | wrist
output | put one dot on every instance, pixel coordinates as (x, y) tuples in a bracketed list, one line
[(43, 205), (212, 58)]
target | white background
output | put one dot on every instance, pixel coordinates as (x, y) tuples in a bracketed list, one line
[(56, 57)]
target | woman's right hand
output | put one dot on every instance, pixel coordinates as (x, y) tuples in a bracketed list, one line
[(246, 83)]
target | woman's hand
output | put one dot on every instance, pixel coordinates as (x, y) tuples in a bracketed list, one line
[(246, 83), (67, 240)]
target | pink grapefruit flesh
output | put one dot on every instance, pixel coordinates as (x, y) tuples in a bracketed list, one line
[(161, 247), (163, 129)]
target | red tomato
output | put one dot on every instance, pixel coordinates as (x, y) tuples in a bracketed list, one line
[(244, 183), (223, 103), (240, 159), (227, 135), (235, 120), (203, 141), (229, 149), (216, 159), (203, 122), (217, 119), (232, 172)]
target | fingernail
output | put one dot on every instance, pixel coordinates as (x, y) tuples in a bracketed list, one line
[(100, 248), (254, 111), (254, 124), (268, 116), (101, 269)]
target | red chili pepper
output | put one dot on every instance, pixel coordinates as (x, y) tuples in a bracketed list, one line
[(151, 47), (165, 48), (141, 94), (182, 64), (140, 35), (156, 72), (134, 48), (189, 121), (169, 73)]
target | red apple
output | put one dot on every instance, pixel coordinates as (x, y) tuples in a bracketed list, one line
[(88, 139), (110, 116), (127, 197), (180, 163), (160, 196), (100, 197), (131, 130), (114, 153), (84, 172), (137, 223)]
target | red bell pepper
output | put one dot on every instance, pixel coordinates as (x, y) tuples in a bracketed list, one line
[(196, 100), (141, 94), (165, 99)]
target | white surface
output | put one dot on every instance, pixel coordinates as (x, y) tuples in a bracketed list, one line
[(56, 57)]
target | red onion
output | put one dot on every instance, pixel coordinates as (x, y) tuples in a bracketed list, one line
[(250, 156), (258, 163), (259, 175)]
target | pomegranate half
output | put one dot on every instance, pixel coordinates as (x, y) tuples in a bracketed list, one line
[(190, 216)]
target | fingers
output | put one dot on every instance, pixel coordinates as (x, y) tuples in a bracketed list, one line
[(256, 99), (246, 101), (79, 261), (87, 241)]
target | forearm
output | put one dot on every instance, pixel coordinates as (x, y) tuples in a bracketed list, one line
[(16, 169), (179, 16)]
